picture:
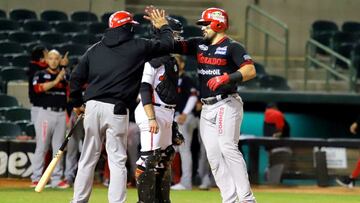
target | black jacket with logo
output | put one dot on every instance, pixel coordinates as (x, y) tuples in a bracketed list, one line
[(113, 67)]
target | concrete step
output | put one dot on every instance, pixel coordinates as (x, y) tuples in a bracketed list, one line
[(279, 62), (298, 73), (316, 85)]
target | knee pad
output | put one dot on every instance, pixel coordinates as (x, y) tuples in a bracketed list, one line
[(168, 156), (151, 158)]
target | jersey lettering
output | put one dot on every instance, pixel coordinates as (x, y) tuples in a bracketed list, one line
[(210, 60)]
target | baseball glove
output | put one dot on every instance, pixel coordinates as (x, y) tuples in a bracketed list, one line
[(177, 137)]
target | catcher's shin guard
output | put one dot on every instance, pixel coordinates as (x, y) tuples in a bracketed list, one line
[(163, 183), (146, 176)]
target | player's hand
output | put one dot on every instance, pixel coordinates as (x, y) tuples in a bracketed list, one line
[(153, 126), (181, 119), (60, 76), (79, 110), (217, 81), (65, 60), (157, 18), (353, 128)]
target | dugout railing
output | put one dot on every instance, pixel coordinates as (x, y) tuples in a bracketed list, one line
[(311, 60), (268, 34)]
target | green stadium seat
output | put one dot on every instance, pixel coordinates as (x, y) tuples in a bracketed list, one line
[(21, 15), (22, 60), (53, 16), (9, 130), (17, 114), (2, 14), (7, 25), (84, 39), (12, 74), (273, 82), (11, 49), (7, 101), (30, 130), (351, 27), (83, 17), (322, 31)]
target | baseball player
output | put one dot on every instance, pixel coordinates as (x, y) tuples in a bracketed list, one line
[(222, 63), (112, 68), (37, 63), (187, 94), (154, 116), (50, 89)]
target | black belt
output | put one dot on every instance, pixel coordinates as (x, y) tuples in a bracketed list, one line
[(57, 109), (165, 106), (214, 100)]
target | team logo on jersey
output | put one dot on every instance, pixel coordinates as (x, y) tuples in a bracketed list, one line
[(247, 57), (209, 72), (203, 47), (221, 50), (47, 76)]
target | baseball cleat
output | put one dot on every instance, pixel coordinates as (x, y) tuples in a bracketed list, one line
[(345, 181)]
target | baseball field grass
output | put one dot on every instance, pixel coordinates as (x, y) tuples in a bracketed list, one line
[(19, 192)]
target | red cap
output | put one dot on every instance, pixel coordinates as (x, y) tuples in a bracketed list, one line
[(216, 17), (120, 18)]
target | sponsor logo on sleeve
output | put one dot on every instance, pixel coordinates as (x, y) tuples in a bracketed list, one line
[(203, 47), (221, 50), (47, 76), (247, 57)]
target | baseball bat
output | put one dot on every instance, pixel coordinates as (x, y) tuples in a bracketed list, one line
[(46, 176)]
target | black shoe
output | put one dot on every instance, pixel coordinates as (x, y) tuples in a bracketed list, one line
[(345, 181)]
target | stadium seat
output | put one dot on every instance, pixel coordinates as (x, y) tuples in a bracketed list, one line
[(73, 49), (192, 31), (9, 130), (21, 37), (3, 36), (182, 19), (30, 130), (22, 60), (21, 15), (84, 17), (97, 28), (4, 61), (342, 43), (12, 74), (351, 27), (355, 58), (11, 49), (52, 38), (53, 16), (7, 101), (67, 27), (36, 27), (260, 70), (322, 31), (84, 39), (105, 17), (22, 124), (2, 14), (8, 25), (17, 114), (273, 82), (250, 84)]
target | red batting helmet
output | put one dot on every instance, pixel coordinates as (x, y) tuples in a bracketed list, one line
[(120, 18), (216, 17)]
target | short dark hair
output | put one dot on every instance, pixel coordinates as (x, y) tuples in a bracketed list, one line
[(38, 52)]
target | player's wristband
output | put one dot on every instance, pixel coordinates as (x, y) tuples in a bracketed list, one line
[(152, 118), (236, 77)]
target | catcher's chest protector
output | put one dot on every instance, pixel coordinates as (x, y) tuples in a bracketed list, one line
[(166, 89)]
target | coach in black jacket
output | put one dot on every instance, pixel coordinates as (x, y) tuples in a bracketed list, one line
[(112, 68)]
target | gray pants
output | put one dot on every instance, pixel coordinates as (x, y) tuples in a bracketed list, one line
[(50, 129), (100, 123), (220, 131), (185, 149)]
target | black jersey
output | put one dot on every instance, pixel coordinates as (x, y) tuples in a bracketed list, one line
[(34, 66), (185, 89), (54, 97), (227, 56)]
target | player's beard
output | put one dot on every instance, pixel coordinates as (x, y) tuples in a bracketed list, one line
[(209, 37)]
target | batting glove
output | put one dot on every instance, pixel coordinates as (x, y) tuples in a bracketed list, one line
[(215, 82)]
